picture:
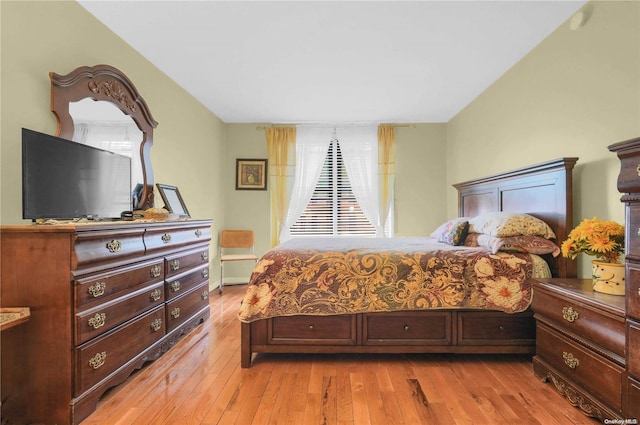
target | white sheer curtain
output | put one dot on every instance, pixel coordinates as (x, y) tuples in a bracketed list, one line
[(359, 147), (312, 144)]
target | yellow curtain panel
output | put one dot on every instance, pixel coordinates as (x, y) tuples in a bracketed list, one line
[(386, 168), (281, 149)]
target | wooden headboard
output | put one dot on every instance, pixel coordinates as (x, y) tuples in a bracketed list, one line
[(543, 190)]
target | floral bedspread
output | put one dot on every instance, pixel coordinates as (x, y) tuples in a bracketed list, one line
[(339, 276)]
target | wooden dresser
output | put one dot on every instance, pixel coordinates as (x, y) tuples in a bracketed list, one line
[(629, 185), (580, 344), (104, 299)]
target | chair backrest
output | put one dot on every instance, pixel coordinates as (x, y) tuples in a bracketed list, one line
[(236, 239)]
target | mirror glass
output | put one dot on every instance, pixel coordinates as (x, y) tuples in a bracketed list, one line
[(102, 125)]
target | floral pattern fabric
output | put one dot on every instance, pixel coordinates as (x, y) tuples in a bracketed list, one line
[(344, 275)]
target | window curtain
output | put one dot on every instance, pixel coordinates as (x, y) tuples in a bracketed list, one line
[(281, 143), (359, 147), (386, 171), (312, 144)]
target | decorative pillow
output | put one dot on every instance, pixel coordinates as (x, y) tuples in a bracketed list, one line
[(510, 224), (454, 232), (530, 244), (447, 225)]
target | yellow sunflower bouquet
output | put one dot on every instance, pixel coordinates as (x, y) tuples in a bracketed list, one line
[(600, 238)]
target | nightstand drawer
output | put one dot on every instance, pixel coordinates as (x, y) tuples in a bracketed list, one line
[(582, 320), (586, 369)]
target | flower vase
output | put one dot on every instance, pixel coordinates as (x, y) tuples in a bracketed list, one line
[(608, 278)]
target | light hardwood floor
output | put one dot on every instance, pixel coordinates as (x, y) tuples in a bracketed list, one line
[(199, 381)]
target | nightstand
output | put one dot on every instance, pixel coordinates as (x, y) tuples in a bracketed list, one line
[(580, 344)]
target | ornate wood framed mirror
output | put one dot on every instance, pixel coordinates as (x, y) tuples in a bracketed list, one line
[(100, 106)]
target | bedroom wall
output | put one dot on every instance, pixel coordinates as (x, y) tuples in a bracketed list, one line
[(573, 95)]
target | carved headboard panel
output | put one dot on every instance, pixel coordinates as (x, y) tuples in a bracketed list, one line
[(543, 190)]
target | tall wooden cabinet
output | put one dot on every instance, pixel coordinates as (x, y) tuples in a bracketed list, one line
[(105, 298), (629, 185)]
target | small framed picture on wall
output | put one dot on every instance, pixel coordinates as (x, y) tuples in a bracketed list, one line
[(251, 174)]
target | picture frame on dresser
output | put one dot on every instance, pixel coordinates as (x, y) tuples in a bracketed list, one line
[(173, 200)]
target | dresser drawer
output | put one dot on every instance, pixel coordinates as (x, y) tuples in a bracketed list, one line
[(633, 290), (169, 237), (182, 308), (602, 328), (633, 399), (633, 355), (483, 328), (95, 360), (91, 323), (103, 287), (108, 245), (430, 328), (316, 330), (181, 283), (632, 232), (588, 370), (185, 260)]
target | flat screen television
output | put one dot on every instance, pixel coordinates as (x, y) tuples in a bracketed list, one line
[(62, 179)]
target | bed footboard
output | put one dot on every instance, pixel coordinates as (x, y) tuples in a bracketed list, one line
[(439, 331)]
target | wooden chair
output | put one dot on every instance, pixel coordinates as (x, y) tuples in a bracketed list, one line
[(235, 245)]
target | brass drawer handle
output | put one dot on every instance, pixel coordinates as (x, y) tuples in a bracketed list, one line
[(98, 320), (204, 256), (569, 314), (166, 238), (205, 273), (406, 328), (311, 327), (156, 325), (205, 294), (175, 265), (97, 289), (199, 232), (570, 360), (155, 295), (98, 360), (155, 271), (175, 312), (175, 286), (114, 245)]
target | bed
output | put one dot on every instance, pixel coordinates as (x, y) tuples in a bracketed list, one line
[(362, 295)]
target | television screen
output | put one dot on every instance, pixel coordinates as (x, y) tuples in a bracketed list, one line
[(62, 179)]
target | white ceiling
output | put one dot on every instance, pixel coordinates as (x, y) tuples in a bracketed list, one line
[(333, 61)]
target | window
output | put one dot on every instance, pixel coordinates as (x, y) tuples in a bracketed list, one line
[(333, 208)]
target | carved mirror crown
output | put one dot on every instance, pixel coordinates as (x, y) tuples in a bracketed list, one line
[(107, 84)]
